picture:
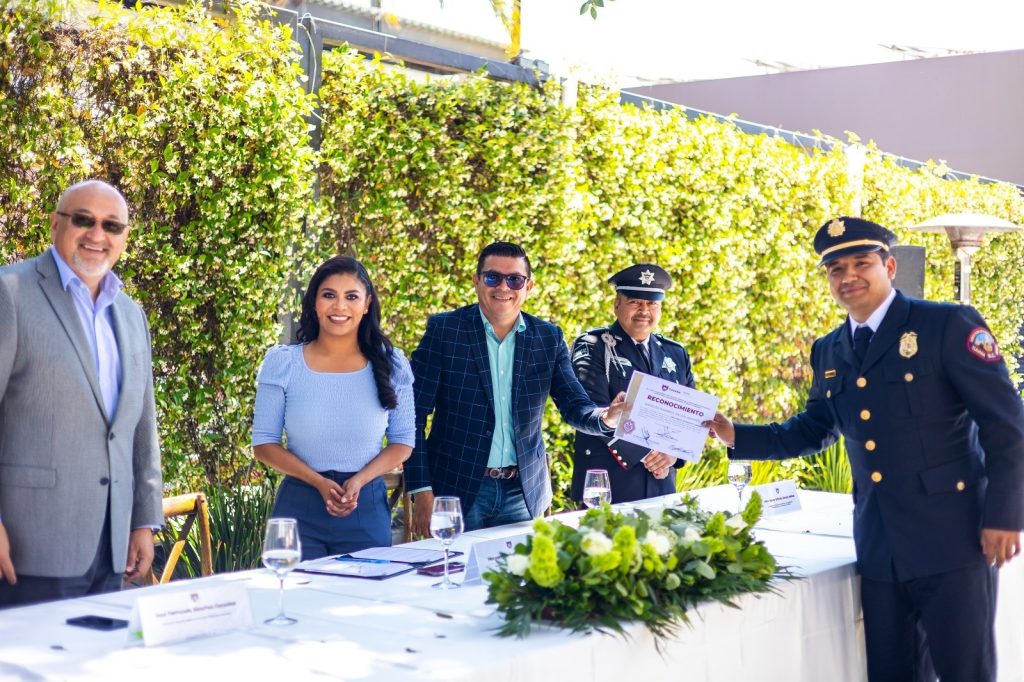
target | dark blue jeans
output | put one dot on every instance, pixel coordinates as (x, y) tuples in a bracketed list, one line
[(499, 501), (324, 535)]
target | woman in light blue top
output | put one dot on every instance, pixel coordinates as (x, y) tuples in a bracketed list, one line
[(336, 395)]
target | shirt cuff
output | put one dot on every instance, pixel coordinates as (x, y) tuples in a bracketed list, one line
[(425, 488)]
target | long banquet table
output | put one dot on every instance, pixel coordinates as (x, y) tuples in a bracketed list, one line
[(400, 629)]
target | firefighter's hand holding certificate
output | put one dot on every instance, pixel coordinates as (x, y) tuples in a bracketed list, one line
[(666, 416)]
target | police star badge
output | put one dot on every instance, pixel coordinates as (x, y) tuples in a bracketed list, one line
[(908, 344), (836, 228), (646, 277), (669, 364)]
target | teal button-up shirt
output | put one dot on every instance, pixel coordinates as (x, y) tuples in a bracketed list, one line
[(501, 357)]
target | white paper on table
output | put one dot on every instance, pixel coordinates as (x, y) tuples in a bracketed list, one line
[(666, 416), (484, 555), (162, 618), (778, 497)]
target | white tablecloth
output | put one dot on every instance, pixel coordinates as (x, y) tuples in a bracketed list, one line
[(401, 629)]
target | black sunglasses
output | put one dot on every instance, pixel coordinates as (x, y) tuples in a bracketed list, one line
[(86, 221), (514, 282)]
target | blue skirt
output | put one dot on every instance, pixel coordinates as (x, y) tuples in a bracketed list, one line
[(324, 535)]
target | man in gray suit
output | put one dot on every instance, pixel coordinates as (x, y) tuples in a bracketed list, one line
[(80, 482)]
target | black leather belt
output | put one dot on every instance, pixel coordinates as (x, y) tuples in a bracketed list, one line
[(502, 473)]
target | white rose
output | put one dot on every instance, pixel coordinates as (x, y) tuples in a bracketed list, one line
[(691, 534), (659, 543), (736, 523), (595, 544), (517, 564)]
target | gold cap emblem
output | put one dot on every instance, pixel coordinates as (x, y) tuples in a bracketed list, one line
[(908, 344), (836, 228)]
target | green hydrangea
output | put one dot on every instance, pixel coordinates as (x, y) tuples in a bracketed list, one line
[(544, 561), (624, 542), (752, 512)]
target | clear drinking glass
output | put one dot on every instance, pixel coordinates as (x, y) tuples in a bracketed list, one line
[(281, 553), (739, 476), (446, 525), (597, 488)]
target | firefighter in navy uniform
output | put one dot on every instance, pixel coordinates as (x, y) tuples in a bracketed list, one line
[(934, 430), (604, 360)]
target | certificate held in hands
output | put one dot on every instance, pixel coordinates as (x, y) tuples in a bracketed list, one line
[(666, 416)]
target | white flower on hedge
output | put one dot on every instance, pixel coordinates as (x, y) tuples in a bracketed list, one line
[(595, 544), (659, 542), (517, 564), (736, 523)]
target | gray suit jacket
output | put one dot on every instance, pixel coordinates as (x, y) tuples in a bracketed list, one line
[(60, 459)]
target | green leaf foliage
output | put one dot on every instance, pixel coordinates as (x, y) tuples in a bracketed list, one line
[(204, 123), (419, 175)]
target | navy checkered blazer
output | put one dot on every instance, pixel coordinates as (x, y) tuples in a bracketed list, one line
[(453, 381)]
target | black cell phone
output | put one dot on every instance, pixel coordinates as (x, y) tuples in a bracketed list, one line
[(98, 622), (438, 569)]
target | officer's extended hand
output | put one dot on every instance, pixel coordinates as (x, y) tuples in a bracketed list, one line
[(723, 429), (614, 411), (6, 565), (659, 464), (999, 546)]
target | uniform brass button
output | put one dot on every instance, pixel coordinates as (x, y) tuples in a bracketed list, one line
[(960, 485), (828, 393), (876, 476), (869, 446), (909, 376), (865, 414), (861, 382)]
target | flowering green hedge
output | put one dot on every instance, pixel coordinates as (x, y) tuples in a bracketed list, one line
[(204, 124), (417, 176), (201, 123)]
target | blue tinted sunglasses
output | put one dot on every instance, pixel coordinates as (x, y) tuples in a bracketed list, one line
[(514, 282)]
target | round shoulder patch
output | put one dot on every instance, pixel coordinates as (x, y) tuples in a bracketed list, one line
[(981, 343)]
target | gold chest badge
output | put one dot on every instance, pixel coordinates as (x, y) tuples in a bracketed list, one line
[(908, 344)]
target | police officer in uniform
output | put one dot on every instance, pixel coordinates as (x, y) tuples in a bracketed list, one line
[(604, 360), (934, 430)]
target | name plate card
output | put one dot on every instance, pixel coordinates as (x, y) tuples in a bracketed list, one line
[(484, 554), (184, 614), (778, 498)]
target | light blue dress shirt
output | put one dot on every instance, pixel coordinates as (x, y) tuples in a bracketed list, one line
[(98, 325), (501, 357)]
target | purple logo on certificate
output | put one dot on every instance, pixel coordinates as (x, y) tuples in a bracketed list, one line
[(628, 426)]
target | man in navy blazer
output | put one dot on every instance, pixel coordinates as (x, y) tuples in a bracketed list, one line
[(934, 430), (485, 372)]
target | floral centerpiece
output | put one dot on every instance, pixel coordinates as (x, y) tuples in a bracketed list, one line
[(620, 567)]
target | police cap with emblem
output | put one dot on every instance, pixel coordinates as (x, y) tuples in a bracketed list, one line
[(644, 280), (846, 236)]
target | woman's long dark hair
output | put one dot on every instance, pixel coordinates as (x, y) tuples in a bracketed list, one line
[(373, 342)]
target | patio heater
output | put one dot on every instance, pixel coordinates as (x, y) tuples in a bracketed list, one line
[(966, 232)]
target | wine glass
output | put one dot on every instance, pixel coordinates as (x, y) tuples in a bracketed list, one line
[(597, 488), (281, 552), (739, 476), (446, 525)]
